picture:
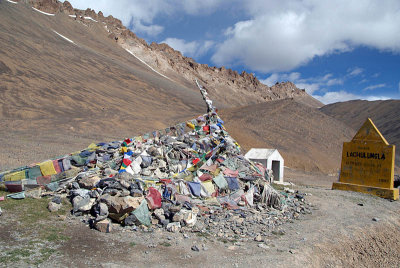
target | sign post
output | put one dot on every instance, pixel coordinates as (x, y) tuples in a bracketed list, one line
[(368, 164)]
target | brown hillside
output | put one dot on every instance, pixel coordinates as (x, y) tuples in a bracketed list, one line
[(57, 96), (384, 114), (307, 138)]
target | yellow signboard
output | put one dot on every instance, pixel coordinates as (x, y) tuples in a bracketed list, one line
[(368, 164)]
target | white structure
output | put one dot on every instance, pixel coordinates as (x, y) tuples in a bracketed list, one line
[(270, 158)]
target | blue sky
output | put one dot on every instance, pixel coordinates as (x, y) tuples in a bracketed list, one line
[(337, 50)]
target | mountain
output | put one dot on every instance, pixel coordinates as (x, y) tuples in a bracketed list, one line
[(227, 87), (384, 114), (307, 138), (71, 77)]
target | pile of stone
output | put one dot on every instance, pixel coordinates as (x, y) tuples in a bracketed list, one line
[(178, 180)]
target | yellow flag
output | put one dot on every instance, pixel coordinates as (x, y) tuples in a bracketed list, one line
[(15, 176), (47, 168)]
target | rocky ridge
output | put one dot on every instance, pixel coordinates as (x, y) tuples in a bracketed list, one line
[(226, 86)]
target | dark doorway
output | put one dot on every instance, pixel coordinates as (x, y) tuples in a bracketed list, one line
[(276, 169)]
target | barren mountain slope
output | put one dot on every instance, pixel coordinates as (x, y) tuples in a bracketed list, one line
[(53, 91), (227, 87), (384, 114), (307, 138)]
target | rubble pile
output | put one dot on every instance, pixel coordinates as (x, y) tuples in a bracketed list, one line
[(189, 177), (168, 179)]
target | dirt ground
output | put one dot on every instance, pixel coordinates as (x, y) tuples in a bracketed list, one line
[(339, 232)]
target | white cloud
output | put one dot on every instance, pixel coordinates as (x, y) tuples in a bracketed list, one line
[(291, 77), (141, 14), (310, 88), (335, 96), (318, 87), (327, 76), (151, 30), (335, 81), (271, 80), (190, 49), (206, 46), (275, 77), (281, 35), (340, 96), (311, 84), (186, 48), (372, 87), (375, 75), (363, 81), (355, 71), (375, 98), (196, 7)]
